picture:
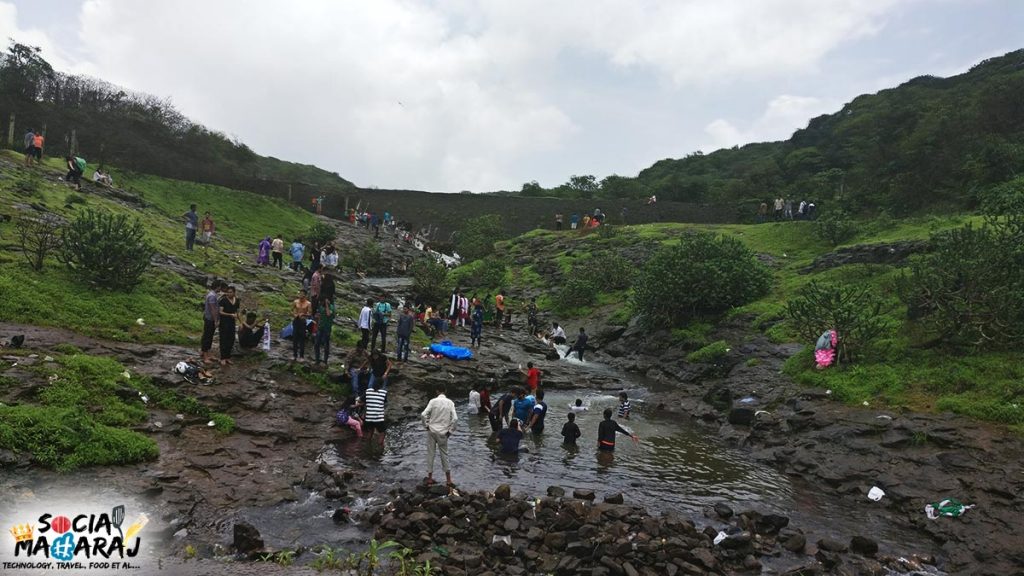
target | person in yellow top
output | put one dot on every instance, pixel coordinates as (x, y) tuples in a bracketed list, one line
[(586, 222), (302, 309), (277, 252), (499, 308)]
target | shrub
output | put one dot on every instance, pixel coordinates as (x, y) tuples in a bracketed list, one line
[(489, 273), (615, 272), (969, 289), (429, 280), (835, 227), (703, 274), (107, 250), (692, 336), (578, 291), (710, 354), (38, 236), (477, 236), (320, 233), (854, 312)]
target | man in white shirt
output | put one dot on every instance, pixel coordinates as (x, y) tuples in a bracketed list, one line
[(474, 401), (364, 321), (439, 418), (557, 334)]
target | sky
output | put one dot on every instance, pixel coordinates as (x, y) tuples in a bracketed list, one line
[(483, 95)]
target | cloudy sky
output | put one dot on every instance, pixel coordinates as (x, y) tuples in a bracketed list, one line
[(480, 95)]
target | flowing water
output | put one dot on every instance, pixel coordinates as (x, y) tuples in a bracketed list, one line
[(675, 467)]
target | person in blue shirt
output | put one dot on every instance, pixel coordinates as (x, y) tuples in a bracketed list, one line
[(540, 410), (523, 405), (297, 250)]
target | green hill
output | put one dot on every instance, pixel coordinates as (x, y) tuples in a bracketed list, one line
[(929, 145)]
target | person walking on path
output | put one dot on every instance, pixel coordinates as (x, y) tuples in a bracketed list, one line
[(606, 432), (579, 346), (191, 224), (298, 250), (229, 305), (499, 308), (558, 220), (263, 252), (477, 328), (439, 418), (302, 309), (381, 316), (211, 318), (404, 333), (277, 252), (30, 146), (364, 322)]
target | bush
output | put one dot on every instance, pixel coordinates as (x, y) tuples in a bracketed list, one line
[(854, 312), (702, 275), (489, 273), (969, 289), (107, 250), (477, 236), (616, 273), (429, 280), (578, 291), (835, 227), (39, 236), (710, 354), (320, 233)]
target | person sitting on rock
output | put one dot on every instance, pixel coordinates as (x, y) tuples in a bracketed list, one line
[(557, 334), (250, 334), (347, 417)]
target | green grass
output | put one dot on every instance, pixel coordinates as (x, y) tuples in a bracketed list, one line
[(168, 303), (893, 372), (709, 354), (81, 419)]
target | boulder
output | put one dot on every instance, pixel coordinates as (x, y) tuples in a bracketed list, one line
[(247, 538), (556, 491), (723, 510), (503, 492), (864, 546), (741, 416), (614, 498), (582, 494), (830, 545), (795, 543)]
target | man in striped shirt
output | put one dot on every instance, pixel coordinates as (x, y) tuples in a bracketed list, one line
[(624, 407), (376, 397)]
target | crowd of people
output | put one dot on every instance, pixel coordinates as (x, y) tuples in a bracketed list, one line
[(511, 416), (368, 365), (782, 209), (586, 222)]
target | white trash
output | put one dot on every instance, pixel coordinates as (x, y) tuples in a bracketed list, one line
[(875, 493), (721, 536)]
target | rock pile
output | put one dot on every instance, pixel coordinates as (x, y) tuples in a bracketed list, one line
[(487, 534)]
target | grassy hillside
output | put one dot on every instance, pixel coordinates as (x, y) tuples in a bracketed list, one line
[(168, 301), (896, 371)]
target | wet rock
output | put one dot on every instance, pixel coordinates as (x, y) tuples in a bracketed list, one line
[(582, 494), (741, 416), (503, 492), (556, 491), (795, 543), (614, 498), (831, 545), (771, 523), (247, 538), (511, 525), (863, 545), (723, 510)]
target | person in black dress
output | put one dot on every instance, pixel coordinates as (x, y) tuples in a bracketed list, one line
[(229, 305)]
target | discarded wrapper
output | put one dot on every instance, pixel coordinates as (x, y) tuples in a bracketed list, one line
[(875, 493)]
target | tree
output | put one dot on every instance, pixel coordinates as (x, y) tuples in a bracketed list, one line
[(702, 275), (39, 236), (583, 186), (532, 188), (107, 250), (478, 235), (429, 279), (853, 311)]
